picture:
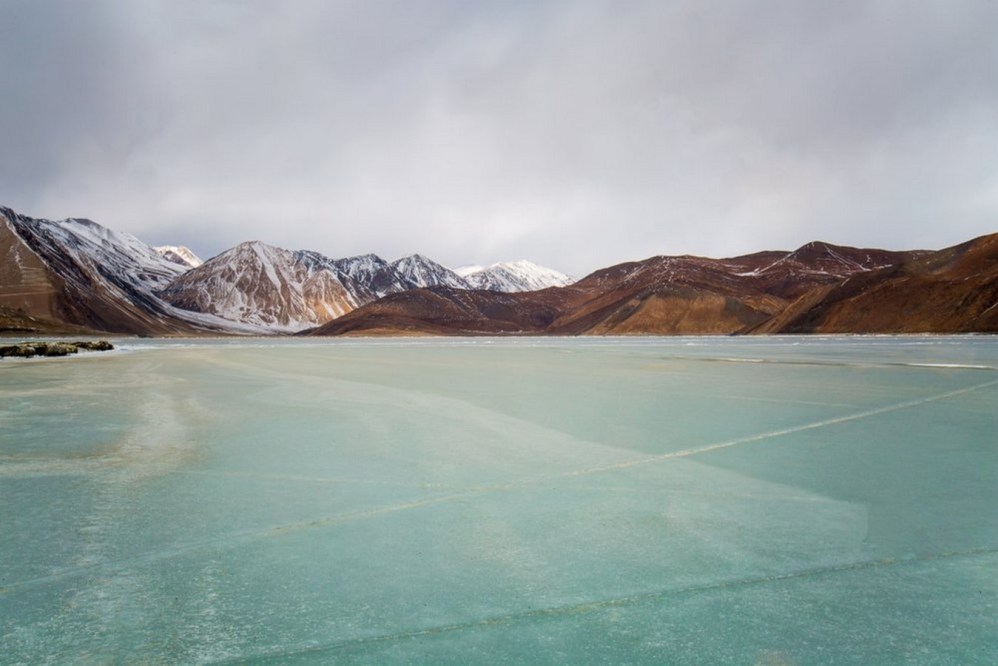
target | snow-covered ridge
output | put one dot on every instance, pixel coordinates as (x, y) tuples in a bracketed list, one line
[(120, 257)]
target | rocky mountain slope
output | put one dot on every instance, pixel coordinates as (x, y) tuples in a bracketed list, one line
[(17, 322), (950, 291), (690, 295), (78, 273), (261, 285)]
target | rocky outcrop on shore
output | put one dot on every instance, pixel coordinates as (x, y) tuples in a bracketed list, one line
[(32, 349)]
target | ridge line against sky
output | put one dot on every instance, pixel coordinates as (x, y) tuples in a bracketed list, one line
[(576, 134)]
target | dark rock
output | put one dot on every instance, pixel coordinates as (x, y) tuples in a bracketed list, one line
[(95, 345), (31, 349), (57, 349), (22, 350)]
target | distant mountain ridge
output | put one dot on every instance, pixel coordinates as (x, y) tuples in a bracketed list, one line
[(818, 288), (660, 295), (78, 275), (262, 285)]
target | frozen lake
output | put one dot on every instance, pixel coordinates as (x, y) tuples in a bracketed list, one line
[(681, 500)]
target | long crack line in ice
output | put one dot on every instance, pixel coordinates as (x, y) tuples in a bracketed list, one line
[(686, 453), (620, 602)]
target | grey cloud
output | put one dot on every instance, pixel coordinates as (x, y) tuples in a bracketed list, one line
[(60, 76), (576, 134)]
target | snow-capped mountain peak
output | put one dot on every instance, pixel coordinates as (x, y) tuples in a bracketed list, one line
[(514, 276), (179, 255)]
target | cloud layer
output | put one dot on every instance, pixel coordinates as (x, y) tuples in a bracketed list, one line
[(576, 134)]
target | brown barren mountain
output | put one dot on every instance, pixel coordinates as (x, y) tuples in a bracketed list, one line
[(657, 296), (449, 311), (950, 291)]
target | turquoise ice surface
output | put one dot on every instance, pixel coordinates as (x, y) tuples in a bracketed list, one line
[(786, 500)]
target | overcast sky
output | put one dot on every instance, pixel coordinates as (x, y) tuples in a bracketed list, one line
[(576, 134)]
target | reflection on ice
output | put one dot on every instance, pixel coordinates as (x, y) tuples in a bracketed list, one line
[(676, 500)]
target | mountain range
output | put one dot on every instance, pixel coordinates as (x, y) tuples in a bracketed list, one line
[(75, 276), (77, 273)]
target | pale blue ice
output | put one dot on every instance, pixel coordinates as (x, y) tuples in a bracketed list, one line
[(684, 500)]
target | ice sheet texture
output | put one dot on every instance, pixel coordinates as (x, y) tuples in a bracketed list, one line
[(684, 500)]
